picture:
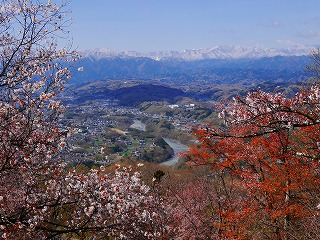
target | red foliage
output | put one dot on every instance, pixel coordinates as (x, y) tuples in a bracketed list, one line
[(269, 151)]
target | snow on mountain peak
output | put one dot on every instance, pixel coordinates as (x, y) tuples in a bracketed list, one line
[(217, 52)]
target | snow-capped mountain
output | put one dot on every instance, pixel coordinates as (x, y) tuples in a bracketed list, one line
[(109, 53), (218, 52)]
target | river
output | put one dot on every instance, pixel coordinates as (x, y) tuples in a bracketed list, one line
[(176, 145), (177, 148)]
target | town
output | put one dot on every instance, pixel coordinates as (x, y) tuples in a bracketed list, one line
[(103, 131)]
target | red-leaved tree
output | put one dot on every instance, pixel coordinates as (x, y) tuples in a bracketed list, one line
[(267, 155)]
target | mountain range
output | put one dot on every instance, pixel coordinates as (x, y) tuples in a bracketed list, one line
[(218, 52), (215, 65), (202, 74)]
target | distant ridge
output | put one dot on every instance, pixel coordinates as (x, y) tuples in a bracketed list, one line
[(218, 52)]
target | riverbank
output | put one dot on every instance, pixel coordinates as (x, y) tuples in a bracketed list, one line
[(177, 148)]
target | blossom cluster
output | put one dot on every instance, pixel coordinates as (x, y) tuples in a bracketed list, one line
[(39, 198)]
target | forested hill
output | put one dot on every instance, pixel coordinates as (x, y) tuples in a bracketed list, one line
[(217, 71), (128, 96)]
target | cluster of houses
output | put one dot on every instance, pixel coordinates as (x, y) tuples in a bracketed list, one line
[(90, 121)]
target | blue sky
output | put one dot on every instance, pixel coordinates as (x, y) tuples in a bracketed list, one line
[(153, 25)]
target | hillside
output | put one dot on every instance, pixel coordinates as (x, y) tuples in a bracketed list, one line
[(127, 95), (212, 71)]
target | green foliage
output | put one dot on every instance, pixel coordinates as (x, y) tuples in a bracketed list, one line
[(158, 153)]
